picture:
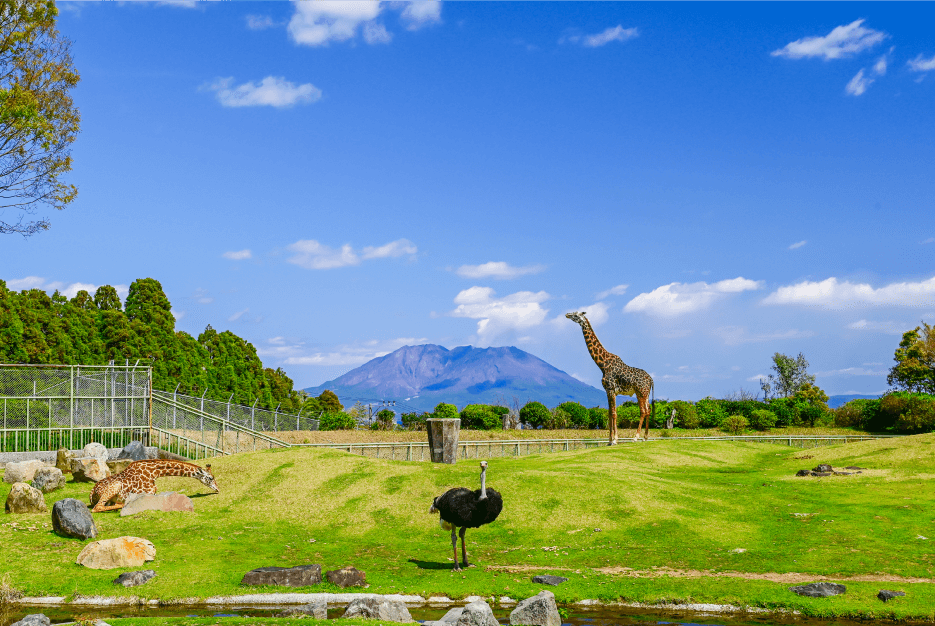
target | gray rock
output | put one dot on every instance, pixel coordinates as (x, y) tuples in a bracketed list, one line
[(48, 479), (539, 610), (477, 613), (72, 518), (63, 457), (347, 577), (377, 607), (96, 450), (822, 467), (298, 576), (317, 610), (133, 451), (548, 580), (819, 590), (166, 501), (33, 619), (89, 469), (25, 499), (804, 473), (452, 616), (135, 579), (22, 472), (887, 595)]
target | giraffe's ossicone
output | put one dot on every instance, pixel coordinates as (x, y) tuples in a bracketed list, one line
[(140, 477)]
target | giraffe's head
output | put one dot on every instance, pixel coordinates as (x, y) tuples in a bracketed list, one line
[(205, 476), (578, 318)]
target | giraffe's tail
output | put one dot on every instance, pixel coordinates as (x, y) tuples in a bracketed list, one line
[(653, 391)]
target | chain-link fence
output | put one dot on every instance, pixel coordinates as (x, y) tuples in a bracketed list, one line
[(251, 417)]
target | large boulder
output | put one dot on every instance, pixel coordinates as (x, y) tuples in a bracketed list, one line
[(89, 469), (539, 610), (167, 501), (33, 619), (317, 610), (97, 450), (118, 465), (134, 579), (818, 590), (477, 613), (298, 576), (63, 457), (347, 577), (48, 479), (378, 607), (133, 451), (21, 472), (119, 552), (25, 499), (72, 518)]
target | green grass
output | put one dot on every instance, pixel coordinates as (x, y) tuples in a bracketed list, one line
[(678, 505)]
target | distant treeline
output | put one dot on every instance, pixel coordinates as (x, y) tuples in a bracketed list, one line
[(38, 328)]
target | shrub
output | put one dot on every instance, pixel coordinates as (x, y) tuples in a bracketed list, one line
[(762, 419), (809, 413), (786, 410), (559, 418), (710, 412), (849, 414), (337, 421), (918, 414), (597, 417), (499, 410), (414, 421), (535, 414), (662, 413), (741, 407), (480, 417), (385, 420), (628, 415), (686, 416), (578, 416), (445, 411), (735, 424)]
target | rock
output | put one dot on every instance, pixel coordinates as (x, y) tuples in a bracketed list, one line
[(347, 577), (477, 613), (63, 459), (168, 501), (854, 467), (72, 518), (48, 479), (452, 616), (21, 472), (298, 576), (119, 552), (89, 469), (317, 610), (118, 465), (886, 594), (33, 619), (135, 579), (819, 590), (133, 451), (25, 499), (822, 467), (96, 450), (377, 607), (804, 473), (539, 610), (548, 580)]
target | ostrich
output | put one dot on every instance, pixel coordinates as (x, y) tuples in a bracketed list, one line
[(468, 509)]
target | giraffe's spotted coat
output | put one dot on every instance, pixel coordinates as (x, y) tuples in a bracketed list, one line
[(140, 477)]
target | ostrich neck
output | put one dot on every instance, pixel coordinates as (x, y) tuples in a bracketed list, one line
[(483, 484)]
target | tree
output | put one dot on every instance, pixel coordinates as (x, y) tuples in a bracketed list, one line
[(791, 375), (329, 401), (915, 361), (38, 120)]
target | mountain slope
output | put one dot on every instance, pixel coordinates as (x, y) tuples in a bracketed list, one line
[(422, 376)]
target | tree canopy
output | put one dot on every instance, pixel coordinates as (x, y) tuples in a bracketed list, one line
[(790, 376), (915, 361)]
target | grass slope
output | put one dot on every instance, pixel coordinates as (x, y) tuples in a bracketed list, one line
[(669, 516)]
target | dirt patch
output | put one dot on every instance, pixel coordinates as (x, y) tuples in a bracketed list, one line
[(775, 577)]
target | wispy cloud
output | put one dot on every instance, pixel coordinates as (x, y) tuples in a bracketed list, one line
[(69, 290), (929, 240), (239, 314), (274, 91), (890, 328), (321, 22), (834, 294), (843, 41), (297, 353), (615, 33), (679, 298), (853, 371), (598, 313), (522, 309), (798, 244), (260, 22), (737, 335), (201, 296), (422, 13), (858, 85), (238, 255), (921, 64), (497, 269), (619, 290), (313, 255)]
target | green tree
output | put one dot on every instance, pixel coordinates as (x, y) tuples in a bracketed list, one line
[(445, 411), (791, 374), (38, 120), (329, 401), (535, 414), (915, 361), (480, 417), (577, 414), (813, 395)]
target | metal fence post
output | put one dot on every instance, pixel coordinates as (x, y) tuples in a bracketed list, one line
[(174, 400), (253, 415)]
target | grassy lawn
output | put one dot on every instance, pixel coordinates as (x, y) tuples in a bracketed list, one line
[(657, 521)]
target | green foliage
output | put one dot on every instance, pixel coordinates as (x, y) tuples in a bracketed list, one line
[(860, 413), (786, 410), (710, 413), (535, 414), (445, 411), (915, 361), (628, 415), (686, 415), (337, 421), (558, 419), (813, 395), (762, 419), (480, 417), (791, 375), (597, 417), (907, 412), (414, 421), (735, 424), (328, 401), (385, 419), (578, 416)]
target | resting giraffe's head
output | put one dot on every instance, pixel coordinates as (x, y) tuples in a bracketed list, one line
[(205, 476), (578, 318)]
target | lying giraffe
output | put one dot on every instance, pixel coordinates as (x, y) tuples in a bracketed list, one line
[(140, 477)]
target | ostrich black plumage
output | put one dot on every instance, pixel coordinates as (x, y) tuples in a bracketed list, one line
[(462, 508)]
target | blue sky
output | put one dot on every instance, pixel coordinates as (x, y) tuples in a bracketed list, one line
[(712, 183)]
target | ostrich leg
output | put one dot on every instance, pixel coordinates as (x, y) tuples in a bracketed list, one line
[(463, 550), (454, 546)]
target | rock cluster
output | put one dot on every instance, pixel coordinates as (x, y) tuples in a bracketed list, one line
[(824, 469), (25, 499), (299, 576), (72, 518)]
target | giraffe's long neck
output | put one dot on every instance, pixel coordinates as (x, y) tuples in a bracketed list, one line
[(598, 353), (176, 468)]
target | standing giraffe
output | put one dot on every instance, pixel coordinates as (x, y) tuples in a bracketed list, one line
[(140, 477), (619, 379)]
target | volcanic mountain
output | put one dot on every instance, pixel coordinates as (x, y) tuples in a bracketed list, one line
[(419, 377)]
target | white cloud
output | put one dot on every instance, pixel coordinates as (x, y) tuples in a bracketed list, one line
[(393, 249), (841, 42), (260, 22), (757, 378), (346, 354), (737, 335), (497, 269), (858, 85), (236, 316), (182, 4), (322, 21), (375, 32), (69, 291), (421, 13), (890, 328), (921, 64), (880, 66), (619, 290), (313, 255), (202, 296), (678, 298), (617, 33), (929, 240), (238, 255), (834, 294), (853, 371), (519, 310), (177, 314), (274, 91), (30, 282), (798, 244)]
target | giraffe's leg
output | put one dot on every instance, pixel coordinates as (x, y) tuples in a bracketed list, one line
[(464, 550), (454, 546), (644, 412), (612, 416)]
